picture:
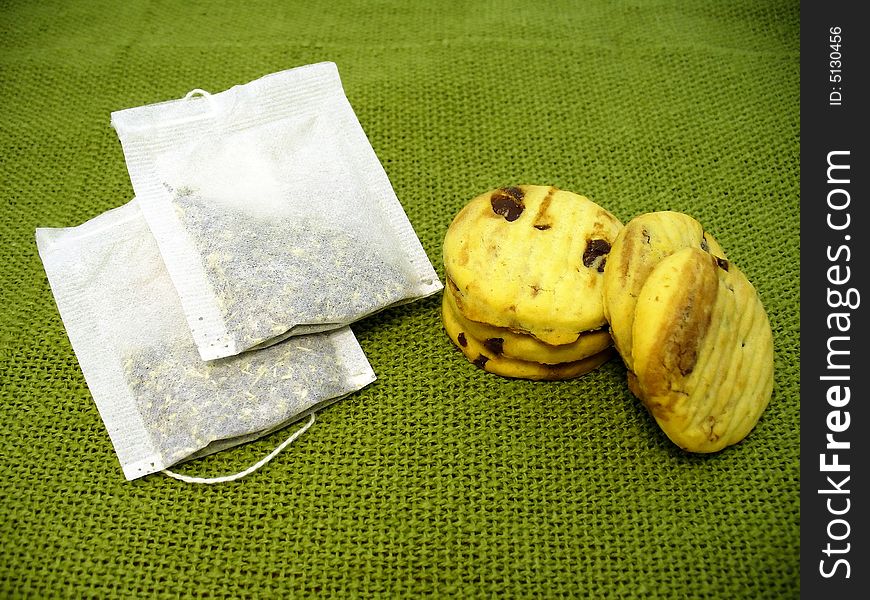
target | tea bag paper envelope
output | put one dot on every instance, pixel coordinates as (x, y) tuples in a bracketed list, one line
[(159, 401), (271, 210)]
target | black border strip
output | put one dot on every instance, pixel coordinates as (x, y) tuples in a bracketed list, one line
[(835, 301)]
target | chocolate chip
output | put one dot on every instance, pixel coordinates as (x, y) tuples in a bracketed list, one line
[(494, 345), (645, 235), (461, 339), (723, 264), (542, 227), (601, 265), (594, 249), (514, 192), (508, 202), (480, 361)]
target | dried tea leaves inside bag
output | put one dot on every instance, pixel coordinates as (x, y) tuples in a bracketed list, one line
[(160, 402), (261, 271), (272, 213)]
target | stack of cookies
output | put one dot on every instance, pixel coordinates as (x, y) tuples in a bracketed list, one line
[(542, 283), (525, 275)]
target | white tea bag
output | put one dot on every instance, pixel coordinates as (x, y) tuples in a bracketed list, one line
[(271, 211), (159, 401)]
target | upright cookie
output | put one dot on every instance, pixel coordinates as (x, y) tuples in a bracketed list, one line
[(703, 351), (642, 243), (531, 258)]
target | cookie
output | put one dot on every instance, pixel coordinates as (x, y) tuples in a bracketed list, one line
[(640, 245), (531, 259), (489, 357), (703, 351), (521, 346)]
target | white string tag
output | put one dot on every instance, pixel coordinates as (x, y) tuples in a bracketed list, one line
[(249, 470)]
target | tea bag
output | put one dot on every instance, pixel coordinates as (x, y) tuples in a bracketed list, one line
[(271, 210), (159, 401)]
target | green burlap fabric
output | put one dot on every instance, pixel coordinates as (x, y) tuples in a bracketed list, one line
[(438, 479)]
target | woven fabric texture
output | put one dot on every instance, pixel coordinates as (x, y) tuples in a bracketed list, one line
[(438, 479)]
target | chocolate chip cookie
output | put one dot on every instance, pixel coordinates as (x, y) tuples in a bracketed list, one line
[(531, 259), (640, 246), (702, 350), (488, 354)]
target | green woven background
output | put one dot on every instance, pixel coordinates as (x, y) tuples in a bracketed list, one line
[(438, 479)]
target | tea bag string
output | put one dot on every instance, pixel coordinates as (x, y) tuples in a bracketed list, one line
[(249, 470), (210, 112)]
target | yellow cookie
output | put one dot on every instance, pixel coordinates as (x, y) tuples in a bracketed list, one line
[(488, 359), (703, 351), (525, 347), (531, 258), (642, 243)]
